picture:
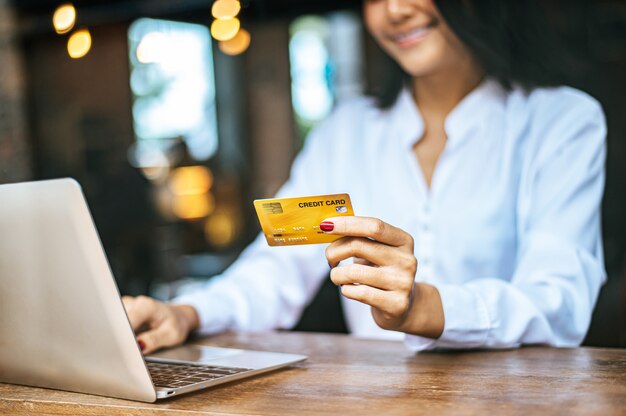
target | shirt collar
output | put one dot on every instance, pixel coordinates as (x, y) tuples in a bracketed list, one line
[(467, 117)]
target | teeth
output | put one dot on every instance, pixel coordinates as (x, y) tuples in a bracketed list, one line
[(413, 34)]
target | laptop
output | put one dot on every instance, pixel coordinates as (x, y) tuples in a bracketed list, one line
[(62, 321)]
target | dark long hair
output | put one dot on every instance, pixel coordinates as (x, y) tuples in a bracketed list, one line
[(517, 42)]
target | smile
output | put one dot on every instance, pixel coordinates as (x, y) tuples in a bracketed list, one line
[(412, 37)]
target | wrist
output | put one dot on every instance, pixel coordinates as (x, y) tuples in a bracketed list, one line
[(425, 317), (189, 316)]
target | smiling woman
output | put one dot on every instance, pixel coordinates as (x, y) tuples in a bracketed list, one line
[(414, 35), (477, 189)]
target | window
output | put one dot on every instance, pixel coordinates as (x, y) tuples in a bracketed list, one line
[(173, 89), (325, 53)]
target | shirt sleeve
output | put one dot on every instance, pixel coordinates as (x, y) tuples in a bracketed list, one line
[(268, 287), (559, 272)]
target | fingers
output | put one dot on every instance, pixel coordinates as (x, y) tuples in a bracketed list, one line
[(384, 271), (140, 310), (167, 325), (394, 304), (379, 278), (369, 251), (370, 228), (359, 260), (165, 335)]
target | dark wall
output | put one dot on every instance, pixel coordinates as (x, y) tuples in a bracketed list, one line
[(15, 160), (604, 42), (67, 95), (81, 126)]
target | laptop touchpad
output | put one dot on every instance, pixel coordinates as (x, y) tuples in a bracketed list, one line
[(195, 353)]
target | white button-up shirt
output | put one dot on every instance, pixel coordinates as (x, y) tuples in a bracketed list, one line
[(509, 230)]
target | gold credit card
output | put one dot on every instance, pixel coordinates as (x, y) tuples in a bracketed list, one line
[(293, 221)]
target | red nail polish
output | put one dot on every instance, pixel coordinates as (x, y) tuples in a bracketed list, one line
[(327, 226), (142, 345)]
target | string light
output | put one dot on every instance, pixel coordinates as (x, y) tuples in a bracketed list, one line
[(225, 29), (64, 18), (225, 9), (79, 43), (236, 45)]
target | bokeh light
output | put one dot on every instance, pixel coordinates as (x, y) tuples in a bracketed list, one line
[(153, 161), (310, 61), (225, 29), (191, 180), (190, 187), (64, 18), (79, 43), (155, 173), (236, 45), (225, 9), (152, 48), (173, 87), (220, 229), (191, 207)]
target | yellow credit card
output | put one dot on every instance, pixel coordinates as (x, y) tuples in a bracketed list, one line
[(293, 221)]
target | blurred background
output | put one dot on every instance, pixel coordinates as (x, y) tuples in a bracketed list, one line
[(175, 114)]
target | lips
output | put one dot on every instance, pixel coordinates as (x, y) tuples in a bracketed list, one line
[(413, 36)]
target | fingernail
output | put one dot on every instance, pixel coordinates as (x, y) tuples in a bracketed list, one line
[(142, 345), (327, 226)]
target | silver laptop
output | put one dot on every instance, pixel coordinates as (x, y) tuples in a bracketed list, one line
[(62, 322)]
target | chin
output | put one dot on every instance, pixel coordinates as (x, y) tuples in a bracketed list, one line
[(420, 64)]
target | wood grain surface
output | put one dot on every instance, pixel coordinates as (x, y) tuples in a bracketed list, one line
[(345, 376)]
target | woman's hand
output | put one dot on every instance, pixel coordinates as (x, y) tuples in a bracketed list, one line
[(159, 324), (383, 275)]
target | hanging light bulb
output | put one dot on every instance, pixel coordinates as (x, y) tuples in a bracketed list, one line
[(79, 43), (225, 9), (237, 45), (64, 18), (225, 29)]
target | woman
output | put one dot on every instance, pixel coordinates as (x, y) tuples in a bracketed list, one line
[(491, 180)]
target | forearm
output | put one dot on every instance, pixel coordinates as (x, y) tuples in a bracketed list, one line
[(264, 289), (494, 313)]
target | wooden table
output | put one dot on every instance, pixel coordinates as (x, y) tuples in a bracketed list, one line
[(346, 376)]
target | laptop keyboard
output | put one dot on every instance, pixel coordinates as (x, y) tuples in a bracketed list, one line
[(181, 375)]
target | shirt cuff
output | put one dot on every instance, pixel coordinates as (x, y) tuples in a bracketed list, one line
[(417, 344), (214, 311), (466, 324)]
